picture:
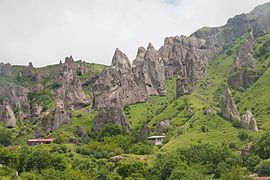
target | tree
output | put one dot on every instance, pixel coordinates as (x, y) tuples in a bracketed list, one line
[(131, 169), (235, 173), (262, 147), (263, 169), (5, 136), (8, 158)]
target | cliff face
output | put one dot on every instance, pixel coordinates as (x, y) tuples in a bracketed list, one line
[(244, 62), (60, 87), (125, 83), (183, 57), (257, 21), (70, 90)]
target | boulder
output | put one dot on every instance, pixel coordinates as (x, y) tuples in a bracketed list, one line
[(163, 127), (246, 150), (248, 121), (228, 108), (210, 111)]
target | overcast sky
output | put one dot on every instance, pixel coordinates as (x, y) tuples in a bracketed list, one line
[(45, 31)]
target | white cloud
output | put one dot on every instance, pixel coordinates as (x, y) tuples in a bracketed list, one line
[(46, 31)]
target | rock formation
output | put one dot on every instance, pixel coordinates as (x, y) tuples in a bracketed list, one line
[(185, 57), (148, 70), (52, 120), (248, 121), (113, 114), (145, 131), (14, 95), (116, 85), (163, 127), (242, 76), (5, 69), (257, 21), (183, 87), (115, 88), (29, 72), (246, 150), (228, 108), (68, 85), (8, 116)]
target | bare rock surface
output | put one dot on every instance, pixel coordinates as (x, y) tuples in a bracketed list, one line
[(228, 108), (248, 121)]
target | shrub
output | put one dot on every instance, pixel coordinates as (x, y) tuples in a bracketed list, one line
[(263, 169), (5, 137)]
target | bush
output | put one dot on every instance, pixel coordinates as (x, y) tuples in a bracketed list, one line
[(141, 149), (262, 147), (251, 162), (5, 137), (135, 170), (111, 129), (243, 136), (263, 169)]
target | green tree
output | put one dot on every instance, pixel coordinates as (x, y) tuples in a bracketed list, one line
[(263, 169), (262, 147), (5, 136), (131, 169), (235, 173), (8, 158)]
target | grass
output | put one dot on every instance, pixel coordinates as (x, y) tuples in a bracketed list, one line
[(186, 114), (79, 118)]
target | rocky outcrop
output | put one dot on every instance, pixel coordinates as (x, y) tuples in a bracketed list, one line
[(145, 131), (14, 95), (163, 127), (29, 72), (148, 70), (248, 121), (246, 150), (257, 21), (185, 57), (5, 69), (112, 114), (183, 87), (15, 105), (52, 120), (228, 108), (69, 87), (116, 85), (115, 88), (210, 111), (244, 58), (242, 75), (8, 116)]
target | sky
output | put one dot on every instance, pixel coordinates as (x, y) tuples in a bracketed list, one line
[(45, 31)]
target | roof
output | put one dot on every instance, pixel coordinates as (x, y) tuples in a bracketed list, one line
[(41, 140), (262, 178), (154, 137)]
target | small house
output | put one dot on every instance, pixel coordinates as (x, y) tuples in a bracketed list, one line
[(157, 140), (33, 142)]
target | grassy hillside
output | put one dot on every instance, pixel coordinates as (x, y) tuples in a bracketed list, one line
[(197, 146)]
